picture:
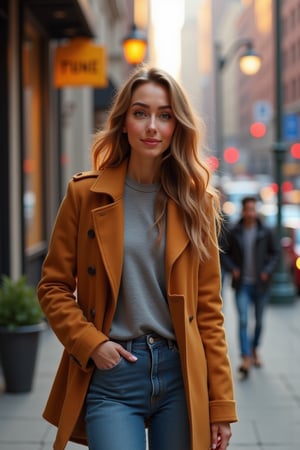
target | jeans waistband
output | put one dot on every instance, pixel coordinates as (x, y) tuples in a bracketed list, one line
[(146, 340)]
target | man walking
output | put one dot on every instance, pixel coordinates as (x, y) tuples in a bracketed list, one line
[(250, 254)]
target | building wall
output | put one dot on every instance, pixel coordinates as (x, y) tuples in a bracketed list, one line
[(291, 85), (291, 54), (114, 20), (228, 36), (259, 19), (219, 108), (4, 138), (49, 130), (257, 89), (190, 73)]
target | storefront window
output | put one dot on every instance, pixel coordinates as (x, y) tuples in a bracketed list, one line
[(32, 133)]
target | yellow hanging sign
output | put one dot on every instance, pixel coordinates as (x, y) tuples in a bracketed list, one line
[(80, 63)]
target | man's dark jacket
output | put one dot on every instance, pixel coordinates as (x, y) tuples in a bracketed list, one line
[(266, 253)]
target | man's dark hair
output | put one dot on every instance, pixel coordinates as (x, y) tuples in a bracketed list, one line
[(249, 198)]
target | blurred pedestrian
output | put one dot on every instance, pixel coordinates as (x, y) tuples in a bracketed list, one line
[(131, 285), (251, 254), (224, 230)]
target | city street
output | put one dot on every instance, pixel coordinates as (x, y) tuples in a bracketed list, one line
[(160, 100), (268, 401)]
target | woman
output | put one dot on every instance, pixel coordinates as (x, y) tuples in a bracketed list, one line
[(131, 285)]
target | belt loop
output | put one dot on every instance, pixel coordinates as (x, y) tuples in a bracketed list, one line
[(129, 345), (171, 343)]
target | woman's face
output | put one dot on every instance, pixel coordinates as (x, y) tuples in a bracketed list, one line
[(149, 121)]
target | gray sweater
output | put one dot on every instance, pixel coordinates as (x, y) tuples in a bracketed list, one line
[(142, 306)]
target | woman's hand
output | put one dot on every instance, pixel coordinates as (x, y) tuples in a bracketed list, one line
[(220, 435), (236, 273), (109, 353), (264, 276)]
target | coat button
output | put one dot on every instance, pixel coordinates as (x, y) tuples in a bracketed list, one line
[(91, 233), (191, 318), (91, 270)]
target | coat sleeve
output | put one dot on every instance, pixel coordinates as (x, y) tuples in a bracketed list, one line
[(272, 252), (229, 246), (57, 287), (211, 327)]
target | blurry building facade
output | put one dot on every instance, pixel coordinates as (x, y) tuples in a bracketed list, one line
[(45, 132), (257, 93), (291, 88), (250, 99), (226, 36)]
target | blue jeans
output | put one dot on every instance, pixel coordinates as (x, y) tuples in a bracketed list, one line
[(248, 295), (121, 399)]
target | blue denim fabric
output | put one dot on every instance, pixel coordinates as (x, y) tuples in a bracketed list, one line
[(248, 295), (120, 399)]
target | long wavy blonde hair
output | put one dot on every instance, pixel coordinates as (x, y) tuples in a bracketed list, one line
[(184, 175)]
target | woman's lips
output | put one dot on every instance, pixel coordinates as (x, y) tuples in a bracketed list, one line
[(151, 142)]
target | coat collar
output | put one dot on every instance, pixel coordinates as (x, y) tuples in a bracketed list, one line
[(111, 181)]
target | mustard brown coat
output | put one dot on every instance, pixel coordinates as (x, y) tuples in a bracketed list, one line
[(78, 292)]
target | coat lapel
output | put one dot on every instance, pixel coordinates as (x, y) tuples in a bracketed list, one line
[(176, 237), (109, 222)]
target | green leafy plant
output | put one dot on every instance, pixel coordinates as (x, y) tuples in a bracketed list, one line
[(19, 305)]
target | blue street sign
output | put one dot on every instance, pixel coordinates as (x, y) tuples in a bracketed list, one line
[(291, 127), (262, 111)]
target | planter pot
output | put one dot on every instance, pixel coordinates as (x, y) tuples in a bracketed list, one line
[(18, 352)]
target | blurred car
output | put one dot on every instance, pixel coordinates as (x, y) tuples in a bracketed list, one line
[(291, 247)]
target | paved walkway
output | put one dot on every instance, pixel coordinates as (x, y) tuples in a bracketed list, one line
[(268, 401)]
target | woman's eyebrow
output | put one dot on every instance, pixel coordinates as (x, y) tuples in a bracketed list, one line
[(144, 105)]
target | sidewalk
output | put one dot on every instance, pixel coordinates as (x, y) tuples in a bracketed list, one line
[(268, 401)]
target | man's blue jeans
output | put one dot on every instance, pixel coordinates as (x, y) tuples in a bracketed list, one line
[(122, 398), (246, 296)]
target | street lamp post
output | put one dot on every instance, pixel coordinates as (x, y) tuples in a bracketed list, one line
[(283, 290), (250, 63)]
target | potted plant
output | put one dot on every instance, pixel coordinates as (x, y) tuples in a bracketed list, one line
[(21, 321)]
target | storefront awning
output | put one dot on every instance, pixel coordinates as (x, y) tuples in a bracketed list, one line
[(64, 18)]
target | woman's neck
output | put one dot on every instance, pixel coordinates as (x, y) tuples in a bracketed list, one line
[(143, 173)]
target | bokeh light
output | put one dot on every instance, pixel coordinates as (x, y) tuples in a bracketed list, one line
[(295, 150), (231, 155), (258, 130), (213, 163)]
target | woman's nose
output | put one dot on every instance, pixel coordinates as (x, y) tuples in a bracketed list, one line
[(152, 123)]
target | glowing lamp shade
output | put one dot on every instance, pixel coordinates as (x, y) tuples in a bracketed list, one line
[(135, 46), (250, 62)]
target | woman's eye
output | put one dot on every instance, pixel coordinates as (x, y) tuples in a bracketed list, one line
[(166, 116), (139, 114)]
